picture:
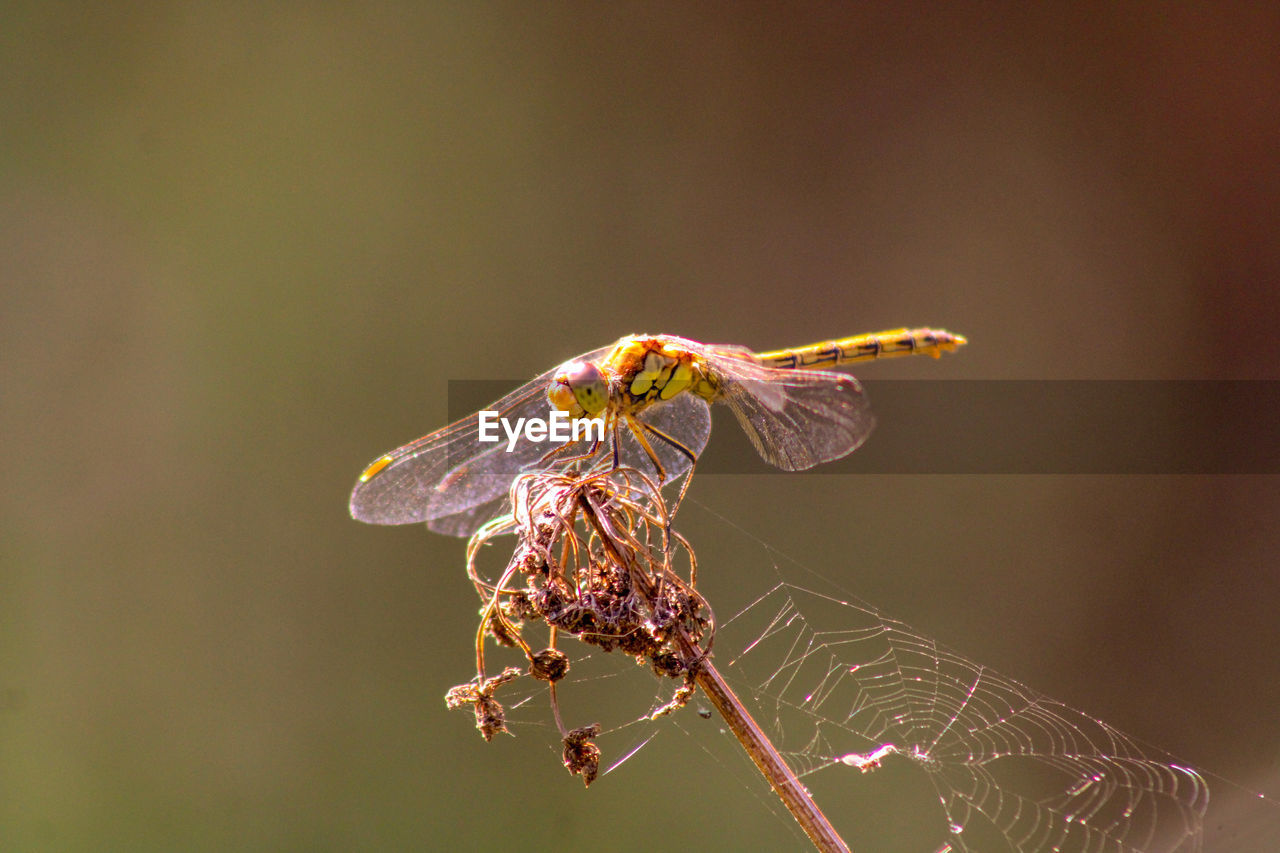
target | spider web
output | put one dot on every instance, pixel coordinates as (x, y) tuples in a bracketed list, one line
[(865, 708), (842, 688)]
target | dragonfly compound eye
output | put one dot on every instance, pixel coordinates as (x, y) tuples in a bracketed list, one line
[(579, 388)]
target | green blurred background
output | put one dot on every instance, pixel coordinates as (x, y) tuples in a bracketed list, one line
[(244, 247)]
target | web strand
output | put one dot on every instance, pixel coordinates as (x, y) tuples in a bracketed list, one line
[(842, 687)]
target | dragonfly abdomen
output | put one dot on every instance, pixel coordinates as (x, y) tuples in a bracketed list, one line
[(890, 344)]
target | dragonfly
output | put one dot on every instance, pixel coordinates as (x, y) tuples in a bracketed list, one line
[(652, 394)]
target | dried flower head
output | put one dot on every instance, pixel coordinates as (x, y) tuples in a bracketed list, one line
[(595, 560), (581, 755), (549, 665), (490, 716)]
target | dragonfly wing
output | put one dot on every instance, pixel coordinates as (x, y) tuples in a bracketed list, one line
[(796, 419), (804, 423), (685, 418), (448, 471), (470, 520), (478, 489), (451, 472), (475, 491)]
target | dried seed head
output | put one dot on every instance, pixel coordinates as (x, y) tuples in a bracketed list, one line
[(678, 701), (581, 756), (501, 629), (490, 716), (595, 560), (549, 665), (668, 664)]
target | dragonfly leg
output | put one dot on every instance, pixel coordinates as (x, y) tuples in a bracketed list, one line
[(551, 455), (615, 444), (693, 461), (546, 459), (638, 429)]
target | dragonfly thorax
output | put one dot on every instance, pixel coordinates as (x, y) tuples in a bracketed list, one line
[(640, 371), (647, 369)]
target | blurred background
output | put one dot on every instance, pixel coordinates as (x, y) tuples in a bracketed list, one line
[(244, 248)]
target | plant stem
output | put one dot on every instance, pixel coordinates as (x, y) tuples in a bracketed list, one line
[(768, 760), (772, 765)]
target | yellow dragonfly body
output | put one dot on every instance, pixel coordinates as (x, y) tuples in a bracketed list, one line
[(659, 387)]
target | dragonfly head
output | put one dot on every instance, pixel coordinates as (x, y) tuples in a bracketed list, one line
[(579, 388)]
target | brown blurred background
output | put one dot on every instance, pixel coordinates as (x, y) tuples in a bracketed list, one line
[(243, 249)]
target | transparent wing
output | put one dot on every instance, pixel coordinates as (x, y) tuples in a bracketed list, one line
[(451, 470), (456, 483), (685, 418), (796, 419), (479, 497)]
